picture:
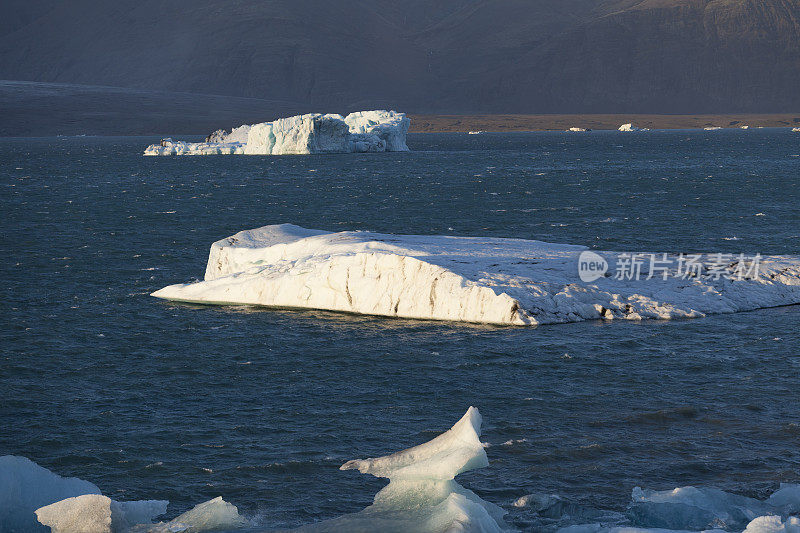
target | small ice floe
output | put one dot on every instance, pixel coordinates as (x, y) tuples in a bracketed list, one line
[(577, 129), (712, 128), (744, 127), (476, 132), (796, 129), (734, 238)]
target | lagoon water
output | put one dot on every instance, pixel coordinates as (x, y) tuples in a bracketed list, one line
[(152, 400)]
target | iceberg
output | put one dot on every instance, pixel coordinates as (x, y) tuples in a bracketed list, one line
[(796, 129), (712, 128), (576, 129), (421, 494), (313, 133), (628, 127), (472, 279)]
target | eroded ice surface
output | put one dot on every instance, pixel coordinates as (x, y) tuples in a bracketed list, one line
[(472, 279), (363, 131)]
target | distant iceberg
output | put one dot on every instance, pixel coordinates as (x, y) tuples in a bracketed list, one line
[(712, 128), (628, 127), (470, 279), (576, 129), (362, 131)]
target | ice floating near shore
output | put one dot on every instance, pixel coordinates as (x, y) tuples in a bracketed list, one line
[(421, 495), (796, 129), (577, 129), (628, 127), (32, 497), (363, 131), (712, 128), (471, 279)]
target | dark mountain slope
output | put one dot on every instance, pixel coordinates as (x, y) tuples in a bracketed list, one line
[(452, 56)]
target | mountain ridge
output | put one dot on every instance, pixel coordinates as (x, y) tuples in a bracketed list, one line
[(451, 56)]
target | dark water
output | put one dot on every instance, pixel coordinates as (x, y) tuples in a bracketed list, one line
[(152, 400)]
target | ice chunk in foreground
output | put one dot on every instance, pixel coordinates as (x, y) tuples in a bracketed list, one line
[(213, 515), (471, 279), (95, 513), (26, 486), (702, 509), (693, 508), (313, 133), (421, 495)]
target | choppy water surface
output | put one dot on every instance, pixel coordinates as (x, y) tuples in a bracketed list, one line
[(153, 400)]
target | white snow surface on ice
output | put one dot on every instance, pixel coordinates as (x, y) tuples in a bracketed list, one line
[(421, 495), (363, 131), (471, 279)]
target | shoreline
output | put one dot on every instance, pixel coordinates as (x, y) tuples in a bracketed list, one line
[(506, 123)]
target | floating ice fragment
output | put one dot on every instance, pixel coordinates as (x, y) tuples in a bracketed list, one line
[(455, 451), (421, 495), (95, 513), (26, 486)]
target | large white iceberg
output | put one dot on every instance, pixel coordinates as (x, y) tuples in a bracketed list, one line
[(363, 131), (472, 279), (421, 495)]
